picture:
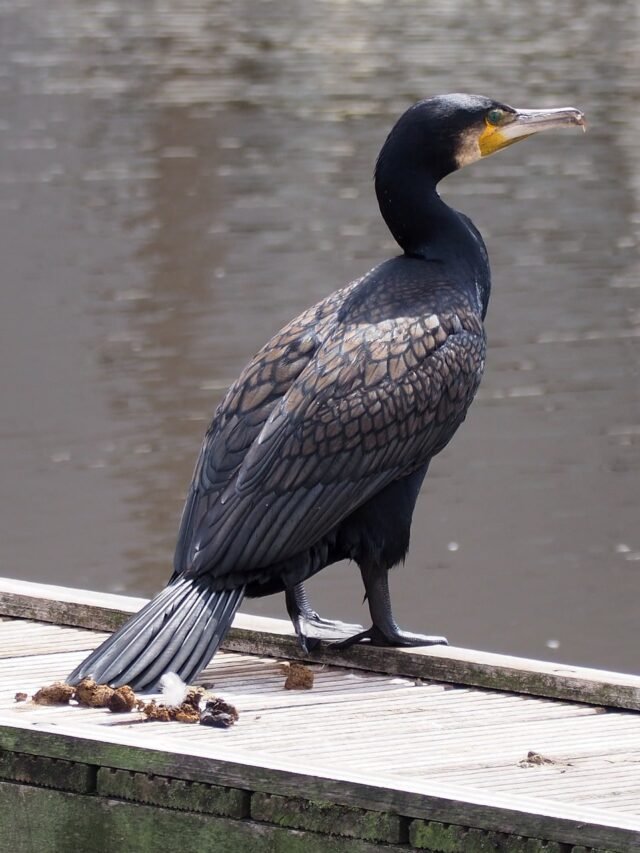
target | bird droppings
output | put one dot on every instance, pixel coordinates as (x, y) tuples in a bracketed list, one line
[(122, 700), (187, 712), (534, 759), (219, 721), (219, 714), (58, 693), (93, 695), (299, 677), (158, 712), (216, 712), (89, 694), (168, 713), (86, 693)]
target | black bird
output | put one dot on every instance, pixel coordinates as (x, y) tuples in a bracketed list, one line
[(319, 449)]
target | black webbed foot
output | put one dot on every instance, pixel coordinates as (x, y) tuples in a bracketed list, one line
[(375, 636), (313, 630), (310, 628), (384, 631)]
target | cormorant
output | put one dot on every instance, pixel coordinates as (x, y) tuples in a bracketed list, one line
[(319, 449)]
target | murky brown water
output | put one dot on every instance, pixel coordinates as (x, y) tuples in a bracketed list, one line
[(178, 180)]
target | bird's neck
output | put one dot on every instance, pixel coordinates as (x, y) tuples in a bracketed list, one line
[(426, 227), (419, 220)]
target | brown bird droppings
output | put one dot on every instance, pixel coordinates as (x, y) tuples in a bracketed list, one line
[(194, 697), (153, 711), (122, 699), (534, 759), (187, 712), (58, 693), (300, 677), (93, 695), (219, 714)]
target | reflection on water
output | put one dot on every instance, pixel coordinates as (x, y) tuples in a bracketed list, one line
[(177, 181)]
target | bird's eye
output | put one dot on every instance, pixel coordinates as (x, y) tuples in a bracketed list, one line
[(495, 116)]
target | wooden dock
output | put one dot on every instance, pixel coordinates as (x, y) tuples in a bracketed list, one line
[(439, 749)]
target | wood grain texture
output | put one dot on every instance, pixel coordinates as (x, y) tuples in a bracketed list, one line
[(65, 606), (518, 815), (45, 820), (275, 638), (495, 762), (47, 772), (329, 818), (172, 793)]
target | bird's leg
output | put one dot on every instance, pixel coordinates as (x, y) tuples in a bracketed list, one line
[(309, 627), (384, 631)]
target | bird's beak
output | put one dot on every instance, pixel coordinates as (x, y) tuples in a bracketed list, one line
[(525, 123)]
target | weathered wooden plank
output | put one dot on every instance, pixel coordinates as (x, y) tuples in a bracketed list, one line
[(412, 704), (467, 774), (64, 606), (519, 815), (47, 772), (383, 707), (409, 754), (37, 819), (576, 779), (436, 837), (272, 637), (620, 802), (172, 793), (405, 734), (38, 667), (463, 666), (329, 819), (21, 638)]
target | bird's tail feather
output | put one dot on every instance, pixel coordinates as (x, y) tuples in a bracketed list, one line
[(178, 631)]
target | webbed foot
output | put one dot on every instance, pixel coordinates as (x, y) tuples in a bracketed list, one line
[(375, 636), (310, 628)]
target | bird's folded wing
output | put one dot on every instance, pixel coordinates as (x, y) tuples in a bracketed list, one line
[(372, 403)]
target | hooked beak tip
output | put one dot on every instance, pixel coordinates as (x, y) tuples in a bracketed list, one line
[(557, 117), (580, 120)]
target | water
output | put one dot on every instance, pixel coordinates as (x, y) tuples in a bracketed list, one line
[(178, 180)]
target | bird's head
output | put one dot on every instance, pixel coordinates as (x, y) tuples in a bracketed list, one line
[(444, 133)]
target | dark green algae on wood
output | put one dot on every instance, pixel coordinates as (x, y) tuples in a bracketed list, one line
[(44, 820), (180, 794), (448, 838), (47, 772), (329, 818), (57, 752), (64, 801), (40, 820)]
